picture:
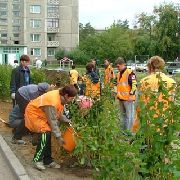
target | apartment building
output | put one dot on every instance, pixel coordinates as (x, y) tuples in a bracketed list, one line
[(37, 28)]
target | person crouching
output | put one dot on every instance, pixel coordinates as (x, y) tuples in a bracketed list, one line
[(41, 116)]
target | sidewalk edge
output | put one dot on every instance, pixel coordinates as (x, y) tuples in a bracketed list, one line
[(13, 161)]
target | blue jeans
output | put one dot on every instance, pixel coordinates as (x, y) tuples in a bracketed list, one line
[(126, 114)]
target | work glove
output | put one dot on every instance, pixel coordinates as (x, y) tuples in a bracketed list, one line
[(13, 95), (132, 92), (61, 141)]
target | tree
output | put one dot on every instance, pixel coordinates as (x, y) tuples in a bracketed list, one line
[(110, 44), (85, 31), (60, 54), (146, 22), (166, 31), (121, 24)]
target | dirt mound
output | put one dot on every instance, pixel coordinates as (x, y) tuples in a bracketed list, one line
[(54, 76)]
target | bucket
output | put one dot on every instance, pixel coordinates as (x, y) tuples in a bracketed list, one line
[(68, 137)]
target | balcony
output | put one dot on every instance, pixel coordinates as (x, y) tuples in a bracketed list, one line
[(52, 30), (53, 15), (54, 2), (53, 44)]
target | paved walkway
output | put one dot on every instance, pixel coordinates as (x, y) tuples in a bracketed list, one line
[(10, 167), (5, 172)]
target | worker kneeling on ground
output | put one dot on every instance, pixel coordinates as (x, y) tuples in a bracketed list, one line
[(41, 116)]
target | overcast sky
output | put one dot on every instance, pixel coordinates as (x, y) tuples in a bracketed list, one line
[(102, 13)]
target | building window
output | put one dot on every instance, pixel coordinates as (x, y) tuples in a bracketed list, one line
[(3, 41), (16, 42), (16, 6), (3, 13), (16, 35), (10, 50), (3, 21), (51, 51), (16, 28), (35, 9), (51, 37), (16, 21), (35, 51), (35, 37), (3, 6), (16, 0), (53, 22), (53, 9), (16, 13), (3, 35), (35, 23)]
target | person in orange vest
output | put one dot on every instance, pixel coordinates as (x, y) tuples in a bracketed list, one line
[(41, 116), (92, 82), (73, 74), (149, 86), (108, 73), (126, 89)]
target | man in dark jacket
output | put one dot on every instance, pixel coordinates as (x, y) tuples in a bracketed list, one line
[(20, 76), (95, 69)]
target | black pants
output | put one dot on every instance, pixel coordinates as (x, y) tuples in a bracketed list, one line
[(21, 129), (43, 150), (14, 102)]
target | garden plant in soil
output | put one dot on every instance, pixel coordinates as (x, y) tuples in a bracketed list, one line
[(101, 145), (150, 154)]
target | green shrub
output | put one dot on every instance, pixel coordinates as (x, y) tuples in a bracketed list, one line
[(77, 55), (101, 145), (5, 77), (38, 76), (158, 136), (60, 54)]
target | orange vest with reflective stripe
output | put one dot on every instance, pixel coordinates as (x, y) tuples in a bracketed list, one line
[(108, 74), (92, 90), (123, 87), (35, 117)]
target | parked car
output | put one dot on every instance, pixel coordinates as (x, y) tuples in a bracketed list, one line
[(131, 66), (176, 71), (141, 67), (172, 66)]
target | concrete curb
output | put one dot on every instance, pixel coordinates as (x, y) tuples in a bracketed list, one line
[(13, 161)]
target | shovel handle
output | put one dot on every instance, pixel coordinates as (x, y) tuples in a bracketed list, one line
[(3, 121)]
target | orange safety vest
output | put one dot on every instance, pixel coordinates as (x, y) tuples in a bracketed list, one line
[(108, 74), (35, 117), (123, 87), (92, 90), (151, 84)]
